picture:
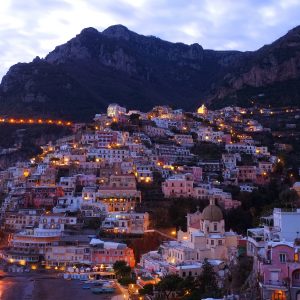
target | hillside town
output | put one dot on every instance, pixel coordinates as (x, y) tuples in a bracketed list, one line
[(175, 196)]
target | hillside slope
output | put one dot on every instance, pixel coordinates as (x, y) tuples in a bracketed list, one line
[(79, 78)]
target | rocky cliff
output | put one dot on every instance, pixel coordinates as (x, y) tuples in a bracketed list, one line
[(81, 77)]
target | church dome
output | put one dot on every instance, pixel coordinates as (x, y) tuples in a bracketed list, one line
[(212, 212)]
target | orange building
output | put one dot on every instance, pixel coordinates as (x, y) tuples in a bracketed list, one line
[(107, 253)]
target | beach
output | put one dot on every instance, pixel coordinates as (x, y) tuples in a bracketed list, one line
[(47, 287)]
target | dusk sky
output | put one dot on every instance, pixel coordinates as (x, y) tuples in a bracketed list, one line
[(30, 28)]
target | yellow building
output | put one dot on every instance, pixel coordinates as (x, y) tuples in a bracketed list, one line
[(202, 110)]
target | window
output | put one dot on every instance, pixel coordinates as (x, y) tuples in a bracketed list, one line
[(282, 257), (274, 276), (297, 275), (212, 242), (220, 242), (215, 226)]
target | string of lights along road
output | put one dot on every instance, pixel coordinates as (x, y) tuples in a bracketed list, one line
[(35, 121)]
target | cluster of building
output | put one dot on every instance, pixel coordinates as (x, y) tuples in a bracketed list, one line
[(275, 247), (99, 172), (205, 238)]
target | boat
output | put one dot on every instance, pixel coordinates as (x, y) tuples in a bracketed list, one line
[(97, 291), (97, 283), (108, 290), (86, 286)]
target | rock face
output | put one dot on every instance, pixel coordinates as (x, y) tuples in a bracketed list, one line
[(81, 77), (271, 68)]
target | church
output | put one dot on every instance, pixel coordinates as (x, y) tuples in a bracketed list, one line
[(202, 110), (205, 238)]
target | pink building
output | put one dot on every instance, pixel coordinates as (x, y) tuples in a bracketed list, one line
[(247, 173), (224, 199), (279, 273), (44, 196), (262, 179), (226, 138), (197, 173), (110, 252), (86, 180), (228, 203), (275, 248), (178, 186)]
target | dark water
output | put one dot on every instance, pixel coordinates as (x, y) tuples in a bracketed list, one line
[(39, 287)]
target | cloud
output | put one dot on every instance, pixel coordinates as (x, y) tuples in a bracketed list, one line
[(34, 27)]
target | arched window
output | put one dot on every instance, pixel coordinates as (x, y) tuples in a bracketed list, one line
[(296, 278)]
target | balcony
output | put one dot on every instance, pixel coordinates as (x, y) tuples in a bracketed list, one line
[(264, 261), (296, 284), (258, 240), (278, 284)]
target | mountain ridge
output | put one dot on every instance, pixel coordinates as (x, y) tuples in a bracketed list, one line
[(81, 77)]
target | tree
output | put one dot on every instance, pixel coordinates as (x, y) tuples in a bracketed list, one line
[(288, 198), (187, 286), (135, 119), (146, 290), (238, 219), (239, 273), (121, 269), (207, 150), (207, 281), (168, 285)]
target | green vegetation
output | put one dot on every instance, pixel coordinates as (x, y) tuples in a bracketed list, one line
[(258, 203), (207, 151), (168, 285), (146, 290), (27, 139), (189, 288), (238, 274), (167, 213), (123, 272)]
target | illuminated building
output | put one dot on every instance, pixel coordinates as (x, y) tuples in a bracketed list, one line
[(202, 110), (115, 110)]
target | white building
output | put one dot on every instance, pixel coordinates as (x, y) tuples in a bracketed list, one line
[(110, 154), (115, 110), (126, 222), (67, 204), (240, 148), (280, 226)]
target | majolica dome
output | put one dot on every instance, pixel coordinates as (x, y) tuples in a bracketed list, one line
[(212, 212)]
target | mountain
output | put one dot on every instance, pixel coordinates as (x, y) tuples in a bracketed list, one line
[(80, 78)]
